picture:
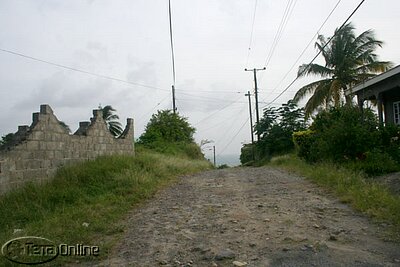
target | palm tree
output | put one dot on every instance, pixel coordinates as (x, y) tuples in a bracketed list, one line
[(349, 60), (111, 119)]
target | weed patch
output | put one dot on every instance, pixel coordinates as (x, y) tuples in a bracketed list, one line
[(351, 187), (85, 203)]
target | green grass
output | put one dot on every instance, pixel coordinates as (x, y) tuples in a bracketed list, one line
[(98, 192), (351, 187)]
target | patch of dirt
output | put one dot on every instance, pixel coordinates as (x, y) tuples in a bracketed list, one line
[(392, 181), (254, 216)]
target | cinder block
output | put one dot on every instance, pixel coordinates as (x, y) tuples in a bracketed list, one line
[(37, 135)]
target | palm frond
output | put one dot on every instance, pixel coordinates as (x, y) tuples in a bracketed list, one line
[(309, 88), (319, 97), (375, 67), (314, 69)]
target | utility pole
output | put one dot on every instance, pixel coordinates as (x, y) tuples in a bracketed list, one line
[(172, 57), (256, 96), (251, 125), (173, 99), (251, 118), (215, 162)]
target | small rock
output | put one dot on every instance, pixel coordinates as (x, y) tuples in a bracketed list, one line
[(252, 245), (17, 231), (239, 263), (163, 262), (396, 260), (267, 220), (225, 254), (333, 238), (213, 264), (316, 226)]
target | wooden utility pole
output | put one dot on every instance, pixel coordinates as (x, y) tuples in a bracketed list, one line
[(251, 117), (173, 99), (215, 162), (256, 96), (251, 125)]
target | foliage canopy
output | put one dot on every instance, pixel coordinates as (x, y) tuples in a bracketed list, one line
[(349, 60)]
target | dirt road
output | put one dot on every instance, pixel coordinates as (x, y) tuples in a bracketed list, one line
[(253, 216)]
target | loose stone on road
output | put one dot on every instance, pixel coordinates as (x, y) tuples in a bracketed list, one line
[(250, 217)]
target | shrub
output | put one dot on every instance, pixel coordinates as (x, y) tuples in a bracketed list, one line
[(223, 166), (303, 141), (375, 162), (276, 128), (342, 134), (188, 150), (166, 126), (347, 135), (390, 137), (246, 154)]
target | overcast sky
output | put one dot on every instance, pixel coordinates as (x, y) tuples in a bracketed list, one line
[(129, 40)]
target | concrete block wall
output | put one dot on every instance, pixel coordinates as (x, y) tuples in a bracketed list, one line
[(38, 150)]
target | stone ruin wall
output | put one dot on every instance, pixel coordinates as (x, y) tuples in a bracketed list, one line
[(38, 150)]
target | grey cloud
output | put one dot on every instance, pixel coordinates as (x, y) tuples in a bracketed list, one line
[(64, 90), (141, 71)]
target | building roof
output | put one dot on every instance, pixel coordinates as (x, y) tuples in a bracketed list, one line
[(374, 80)]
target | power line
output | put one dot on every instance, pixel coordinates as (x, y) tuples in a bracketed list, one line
[(205, 97), (285, 18), (305, 49), (233, 138), (210, 101), (228, 129), (213, 91), (152, 109), (251, 34), (215, 112), (79, 70), (319, 52)]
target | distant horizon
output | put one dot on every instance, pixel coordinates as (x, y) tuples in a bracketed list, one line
[(228, 159)]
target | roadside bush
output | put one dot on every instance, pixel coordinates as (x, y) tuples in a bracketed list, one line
[(303, 141), (342, 134), (375, 162), (390, 137), (166, 126), (275, 129), (171, 134), (188, 150), (345, 135), (223, 166), (246, 154)]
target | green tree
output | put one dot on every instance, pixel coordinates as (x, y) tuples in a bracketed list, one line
[(349, 60), (276, 128), (6, 139), (169, 127), (111, 119)]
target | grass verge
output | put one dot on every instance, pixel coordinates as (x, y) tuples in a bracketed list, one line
[(85, 203), (351, 187)]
